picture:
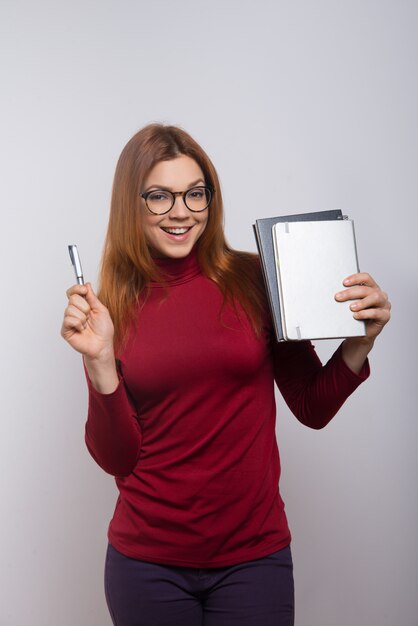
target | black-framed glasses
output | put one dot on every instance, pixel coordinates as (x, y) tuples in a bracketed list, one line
[(160, 201)]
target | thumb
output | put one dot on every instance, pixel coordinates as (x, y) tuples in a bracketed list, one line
[(91, 297)]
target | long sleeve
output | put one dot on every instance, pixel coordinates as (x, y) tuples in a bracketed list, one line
[(314, 392), (113, 434)]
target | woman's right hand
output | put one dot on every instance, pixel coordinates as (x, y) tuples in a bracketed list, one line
[(87, 325)]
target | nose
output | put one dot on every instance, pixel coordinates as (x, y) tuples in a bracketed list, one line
[(179, 210)]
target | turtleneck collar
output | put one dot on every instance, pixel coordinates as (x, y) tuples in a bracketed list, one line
[(177, 271)]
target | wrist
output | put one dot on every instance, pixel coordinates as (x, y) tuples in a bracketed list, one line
[(364, 343), (355, 351), (102, 372), (104, 358)]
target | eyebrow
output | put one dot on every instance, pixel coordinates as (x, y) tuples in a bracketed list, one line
[(199, 180)]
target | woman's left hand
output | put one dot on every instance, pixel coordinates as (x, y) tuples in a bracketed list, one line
[(371, 304)]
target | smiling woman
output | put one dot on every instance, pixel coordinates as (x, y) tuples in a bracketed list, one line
[(166, 199), (186, 419)]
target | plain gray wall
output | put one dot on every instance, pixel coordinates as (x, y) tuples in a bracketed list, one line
[(302, 106)]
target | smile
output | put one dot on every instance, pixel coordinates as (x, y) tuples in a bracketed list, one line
[(176, 231)]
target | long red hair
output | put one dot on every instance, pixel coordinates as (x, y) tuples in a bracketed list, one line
[(127, 266)]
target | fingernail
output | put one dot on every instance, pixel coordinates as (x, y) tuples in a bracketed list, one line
[(353, 306), (347, 281), (338, 296)]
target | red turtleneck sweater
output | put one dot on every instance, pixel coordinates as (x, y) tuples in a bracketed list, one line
[(190, 431)]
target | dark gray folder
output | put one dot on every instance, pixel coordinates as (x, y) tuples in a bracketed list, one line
[(264, 239)]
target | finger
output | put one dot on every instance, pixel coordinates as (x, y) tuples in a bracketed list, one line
[(70, 325), (362, 278), (374, 300), (80, 303), (380, 316), (365, 298), (75, 313), (92, 299), (77, 289), (353, 293)]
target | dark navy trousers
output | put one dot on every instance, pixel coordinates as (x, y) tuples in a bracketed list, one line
[(255, 593)]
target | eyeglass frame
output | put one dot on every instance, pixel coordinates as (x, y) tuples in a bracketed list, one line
[(174, 194)]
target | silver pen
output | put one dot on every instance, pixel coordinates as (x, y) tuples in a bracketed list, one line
[(75, 260)]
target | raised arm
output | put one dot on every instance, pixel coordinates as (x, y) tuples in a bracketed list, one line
[(113, 434), (313, 392)]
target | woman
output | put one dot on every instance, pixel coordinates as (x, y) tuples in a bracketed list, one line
[(180, 360)]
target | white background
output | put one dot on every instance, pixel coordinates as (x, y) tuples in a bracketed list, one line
[(302, 105)]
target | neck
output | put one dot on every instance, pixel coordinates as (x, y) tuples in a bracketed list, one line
[(177, 270)]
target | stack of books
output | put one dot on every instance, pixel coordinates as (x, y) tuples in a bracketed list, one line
[(305, 258)]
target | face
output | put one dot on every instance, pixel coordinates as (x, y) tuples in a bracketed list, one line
[(175, 233)]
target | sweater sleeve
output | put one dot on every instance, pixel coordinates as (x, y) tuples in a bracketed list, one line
[(113, 434), (314, 392)]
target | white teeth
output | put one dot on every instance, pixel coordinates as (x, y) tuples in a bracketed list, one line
[(176, 231)]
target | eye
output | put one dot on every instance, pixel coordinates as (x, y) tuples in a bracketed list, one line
[(159, 196), (196, 194)]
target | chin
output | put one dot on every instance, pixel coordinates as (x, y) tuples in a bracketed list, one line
[(172, 249), (171, 252), (179, 252)]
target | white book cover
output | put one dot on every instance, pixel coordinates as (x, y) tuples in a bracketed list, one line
[(313, 258)]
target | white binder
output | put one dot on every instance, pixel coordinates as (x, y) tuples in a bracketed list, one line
[(312, 260)]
